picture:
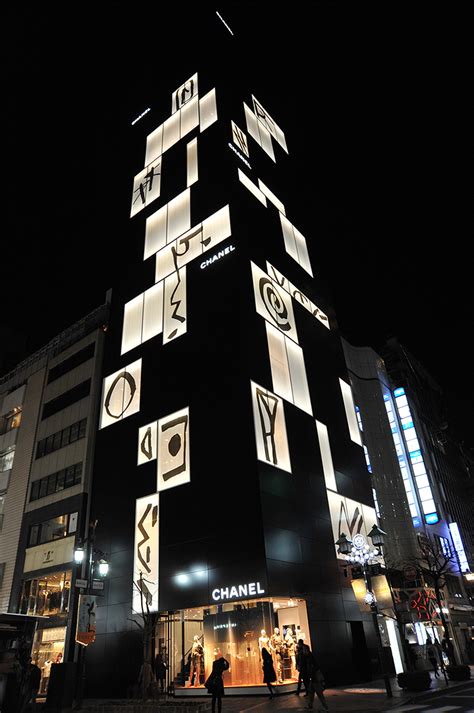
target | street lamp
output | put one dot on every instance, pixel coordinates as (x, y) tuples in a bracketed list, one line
[(358, 552), (92, 562)]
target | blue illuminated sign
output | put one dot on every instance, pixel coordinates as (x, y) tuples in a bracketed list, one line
[(432, 518), (416, 522), (399, 392)]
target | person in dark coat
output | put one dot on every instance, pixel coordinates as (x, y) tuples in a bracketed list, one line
[(299, 658), (160, 670), (269, 675), (215, 684), (312, 677)]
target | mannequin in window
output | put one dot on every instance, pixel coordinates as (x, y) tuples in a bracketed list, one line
[(197, 653), (291, 649), (278, 647), (264, 641)]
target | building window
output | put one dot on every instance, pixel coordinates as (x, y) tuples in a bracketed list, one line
[(52, 529), (54, 483), (62, 438), (6, 459), (10, 420), (78, 392), (46, 596), (69, 364), (2, 505)]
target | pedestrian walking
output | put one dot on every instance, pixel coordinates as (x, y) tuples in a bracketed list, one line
[(432, 655), (215, 683), (313, 678), (31, 686), (299, 658), (269, 675)]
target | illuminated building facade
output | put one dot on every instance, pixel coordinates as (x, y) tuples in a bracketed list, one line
[(422, 487), (229, 458), (48, 413)]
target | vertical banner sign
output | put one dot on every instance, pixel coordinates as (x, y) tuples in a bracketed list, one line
[(145, 559), (85, 633)]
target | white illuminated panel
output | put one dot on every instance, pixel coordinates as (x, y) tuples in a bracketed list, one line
[(146, 554), (132, 324), (326, 456), (459, 547), (349, 517), (146, 187), (264, 118), (155, 232), (297, 295), (207, 110), (174, 306), (295, 244), (152, 312), (240, 139), (179, 215), (147, 443), (143, 318), (189, 116), (350, 412), (171, 131), (252, 124), (273, 303), (199, 239), (394, 645), (279, 363), (243, 178), (192, 162), (271, 197), (173, 450), (184, 94), (299, 382), (154, 145), (121, 394), (270, 428)]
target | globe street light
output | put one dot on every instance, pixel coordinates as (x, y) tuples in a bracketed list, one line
[(359, 553)]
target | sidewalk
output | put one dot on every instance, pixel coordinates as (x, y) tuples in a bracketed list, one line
[(370, 698)]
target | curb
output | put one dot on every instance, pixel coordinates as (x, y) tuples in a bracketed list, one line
[(441, 691)]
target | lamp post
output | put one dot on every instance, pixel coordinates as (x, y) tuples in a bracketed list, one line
[(92, 563), (358, 552)]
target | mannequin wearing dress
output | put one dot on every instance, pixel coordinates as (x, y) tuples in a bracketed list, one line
[(291, 648), (277, 645), (264, 641), (197, 653)]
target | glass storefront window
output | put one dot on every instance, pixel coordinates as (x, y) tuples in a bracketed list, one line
[(192, 639), (48, 648), (46, 596)]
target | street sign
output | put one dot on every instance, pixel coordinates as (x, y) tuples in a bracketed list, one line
[(85, 632), (410, 573), (82, 583), (97, 584)]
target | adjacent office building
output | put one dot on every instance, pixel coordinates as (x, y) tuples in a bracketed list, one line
[(421, 481), (48, 413)]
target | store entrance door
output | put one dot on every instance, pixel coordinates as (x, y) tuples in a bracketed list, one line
[(360, 652)]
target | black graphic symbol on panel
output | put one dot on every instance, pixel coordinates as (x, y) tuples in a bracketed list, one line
[(146, 535), (146, 184), (355, 525), (177, 443), (274, 303), (133, 387), (267, 409), (184, 241), (279, 279), (176, 303), (146, 445), (319, 315), (264, 118), (300, 297), (186, 93), (239, 138)]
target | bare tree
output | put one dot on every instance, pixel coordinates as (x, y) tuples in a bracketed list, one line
[(146, 622)]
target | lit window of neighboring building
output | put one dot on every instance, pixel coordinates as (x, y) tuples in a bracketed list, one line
[(6, 459), (2, 505), (52, 529), (47, 595), (10, 420), (413, 447)]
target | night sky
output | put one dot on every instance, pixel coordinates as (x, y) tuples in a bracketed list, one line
[(372, 105)]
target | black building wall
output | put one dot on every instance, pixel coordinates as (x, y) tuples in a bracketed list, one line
[(239, 519)]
